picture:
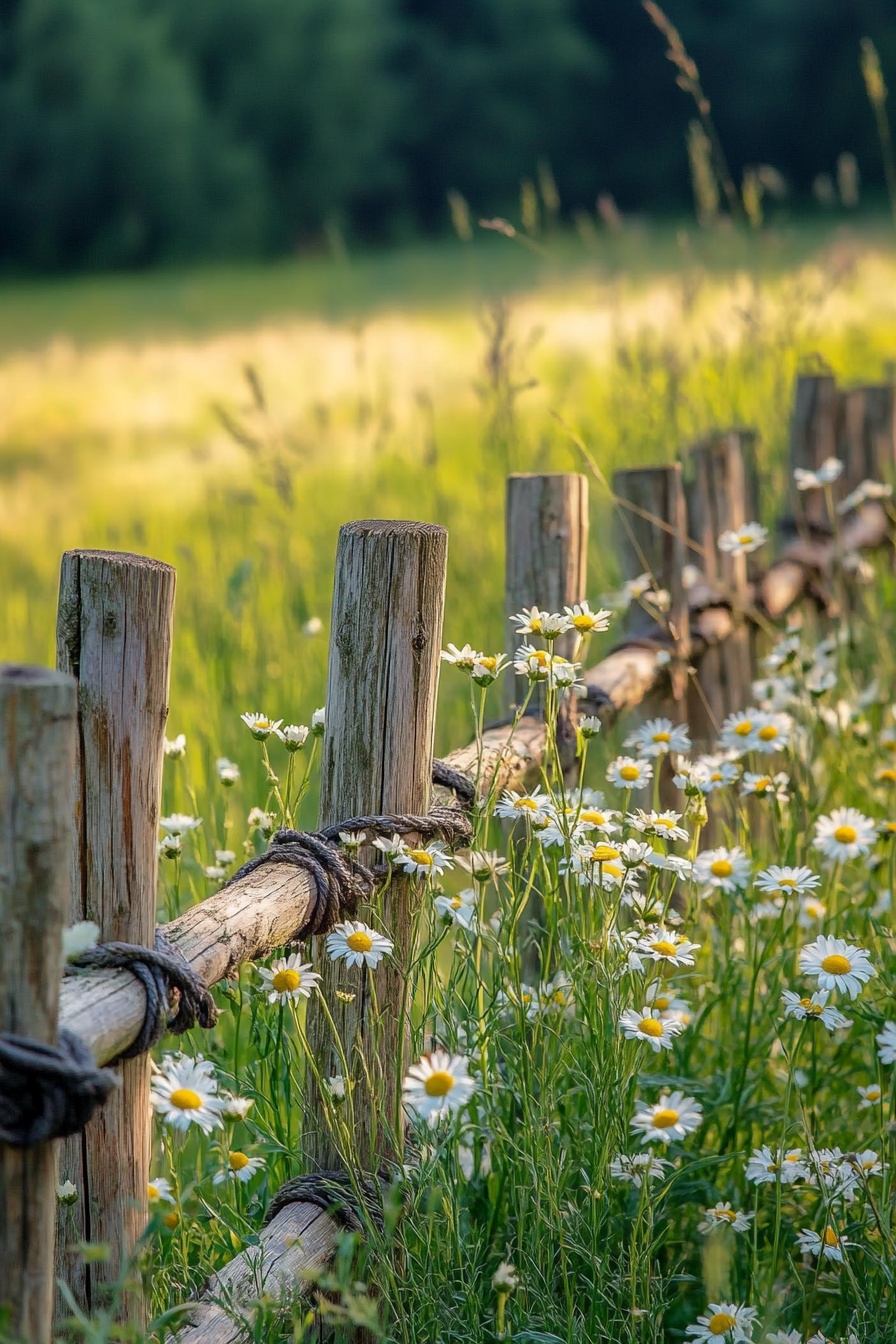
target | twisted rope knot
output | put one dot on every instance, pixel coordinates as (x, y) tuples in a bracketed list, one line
[(176, 998), (48, 1092), (339, 881), (335, 1193)]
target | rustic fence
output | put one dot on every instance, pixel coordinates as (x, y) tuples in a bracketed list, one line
[(80, 772)]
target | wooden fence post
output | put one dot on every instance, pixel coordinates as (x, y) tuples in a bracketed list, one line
[(546, 550), (38, 743), (814, 437), (114, 634), (867, 443), (721, 487), (377, 758)]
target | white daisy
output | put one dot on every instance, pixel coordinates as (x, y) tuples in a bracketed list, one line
[(837, 965), (658, 736), (464, 658), (438, 1085), (260, 726), (829, 471), (674, 1116), (185, 1092), (158, 1189), (235, 1108), (488, 667), (826, 1243), (765, 1167), (171, 846), (262, 821), (766, 786), (535, 807), (586, 621), (319, 721), (639, 1168), (659, 1033), (459, 909), (723, 1323), (589, 725), (812, 912), (871, 1096), (288, 978), (428, 861), (814, 1009), (744, 540), (179, 823), (738, 732), (665, 825), (627, 773), (886, 1043), (67, 1193), (175, 750), (293, 736), (725, 870), (228, 771), (529, 620), (782, 881), (664, 1004), (357, 944), (664, 946), (785, 1337), (845, 834), (240, 1167), (722, 1215)]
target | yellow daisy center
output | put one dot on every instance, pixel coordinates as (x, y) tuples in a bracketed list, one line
[(662, 737), (887, 776), (830, 1237), (583, 622), (790, 1157), (421, 856), (152, 1192), (762, 784), (541, 657), (648, 1026), (786, 881), (814, 909), (845, 835), (661, 1004), (664, 821), (872, 1094), (744, 728), (815, 1009), (721, 868), (745, 538), (594, 818), (716, 777), (237, 1161), (456, 903), (767, 733), (262, 722), (535, 625), (629, 773), (604, 854), (360, 941), (528, 803), (185, 1099), (664, 947), (488, 662), (171, 1219), (890, 826), (284, 982), (835, 964), (727, 1214), (664, 1119), (721, 1322), (438, 1084)]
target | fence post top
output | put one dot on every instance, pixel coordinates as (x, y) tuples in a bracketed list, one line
[(123, 558), (546, 476), (391, 527), (30, 675)]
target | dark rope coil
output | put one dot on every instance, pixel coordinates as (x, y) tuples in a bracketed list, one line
[(335, 1193), (339, 882), (176, 998), (48, 1092)]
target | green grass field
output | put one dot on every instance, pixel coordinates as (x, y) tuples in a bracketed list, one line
[(409, 386)]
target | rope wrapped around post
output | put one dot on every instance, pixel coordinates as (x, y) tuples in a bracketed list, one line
[(335, 1193), (48, 1092)]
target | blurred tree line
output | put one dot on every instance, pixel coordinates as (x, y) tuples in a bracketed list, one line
[(137, 130)]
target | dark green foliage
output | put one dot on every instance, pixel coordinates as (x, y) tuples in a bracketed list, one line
[(138, 130)]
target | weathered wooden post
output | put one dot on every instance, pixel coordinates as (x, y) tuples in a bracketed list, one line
[(721, 487), (38, 743), (546, 551), (814, 437), (867, 441), (377, 759), (114, 634)]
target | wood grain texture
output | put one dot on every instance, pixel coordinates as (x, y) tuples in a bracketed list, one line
[(386, 632), (114, 634), (546, 553), (38, 746), (815, 435), (297, 1243), (721, 486)]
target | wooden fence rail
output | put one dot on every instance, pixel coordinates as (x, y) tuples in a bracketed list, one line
[(114, 634)]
